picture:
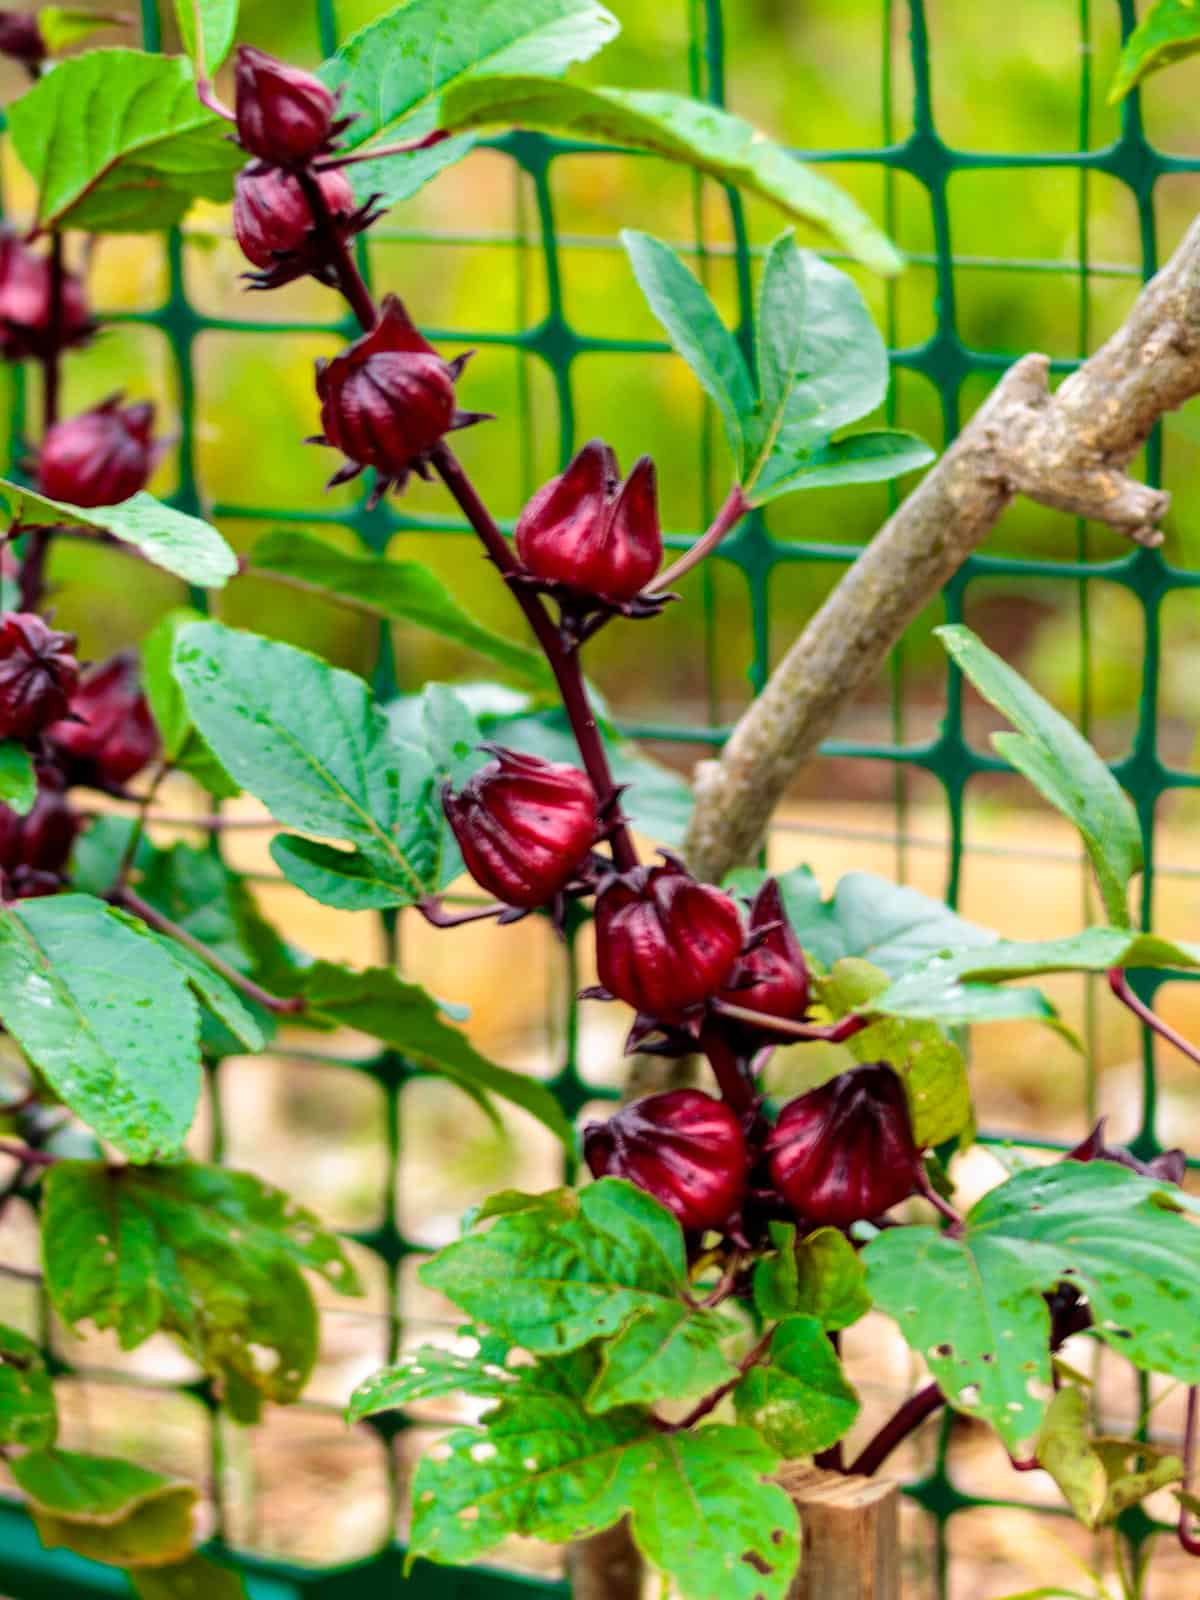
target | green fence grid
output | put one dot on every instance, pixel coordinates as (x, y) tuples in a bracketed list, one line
[(27, 1572)]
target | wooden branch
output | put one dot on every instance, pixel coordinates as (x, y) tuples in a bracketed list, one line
[(851, 1535), (1068, 450)]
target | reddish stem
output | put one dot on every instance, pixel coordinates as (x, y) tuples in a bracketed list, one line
[(726, 519), (737, 1086), (32, 583), (957, 1226), (437, 916), (1119, 985), (406, 147), (896, 1429), (1189, 1538), (713, 1400), (831, 1033), (26, 1154)]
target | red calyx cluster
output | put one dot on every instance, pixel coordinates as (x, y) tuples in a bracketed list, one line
[(30, 324), (38, 674), (274, 225), (101, 456), (34, 849), (108, 734), (285, 116)]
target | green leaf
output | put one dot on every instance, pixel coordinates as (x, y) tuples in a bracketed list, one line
[(394, 71), (1093, 950), (1099, 1478), (396, 591), (872, 457), (690, 131), (934, 992), (694, 327), (214, 991), (182, 746), (831, 1280), (779, 332), (117, 142), (182, 545), (798, 1398), (931, 1065), (598, 1259), (18, 781), (663, 1349), (776, 1283), (1169, 32), (28, 1415), (195, 1579), (63, 26), (310, 743), (1055, 757), (885, 923), (428, 1374), (215, 1257), (974, 1308), (378, 1002), (702, 1505), (110, 1510), (207, 29), (106, 1016)]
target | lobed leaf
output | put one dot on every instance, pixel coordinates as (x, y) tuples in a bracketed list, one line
[(798, 1398), (428, 1374)]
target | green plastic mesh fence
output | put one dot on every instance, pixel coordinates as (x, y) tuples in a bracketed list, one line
[(921, 174)]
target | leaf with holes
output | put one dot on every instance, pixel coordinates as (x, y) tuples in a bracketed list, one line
[(117, 142), (1169, 32), (973, 1307), (110, 1510), (106, 1016), (429, 1374), (309, 741), (797, 1397), (28, 1415), (18, 781), (394, 71), (215, 1257), (408, 1020), (394, 591), (183, 545), (689, 131), (1055, 757)]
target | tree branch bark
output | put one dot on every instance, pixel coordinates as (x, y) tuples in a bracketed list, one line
[(1068, 450)]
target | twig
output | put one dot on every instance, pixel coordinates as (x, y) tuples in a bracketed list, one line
[(405, 148), (827, 1033), (1067, 450), (896, 1429), (437, 916), (280, 1005), (1119, 985)]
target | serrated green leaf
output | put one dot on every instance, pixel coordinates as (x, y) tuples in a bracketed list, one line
[(665, 1349), (871, 457), (428, 1374), (1054, 756), (110, 1510), (117, 142), (214, 992), (831, 1280), (974, 1309), (689, 131), (394, 71), (583, 1274), (106, 1016), (1169, 32), (63, 26), (776, 1284), (931, 1066), (798, 1397), (702, 1505), (215, 1257), (28, 1414), (194, 1579), (207, 29), (396, 591), (18, 781), (183, 545), (407, 1019), (309, 741), (694, 327), (182, 745)]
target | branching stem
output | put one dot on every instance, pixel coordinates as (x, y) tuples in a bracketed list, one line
[(1119, 985), (827, 1033), (713, 1400)]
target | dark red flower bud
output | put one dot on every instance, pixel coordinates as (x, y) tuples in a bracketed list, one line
[(388, 399), (587, 531), (27, 324), (272, 219), (100, 457), (664, 942), (684, 1148), (34, 849), (1169, 1165), (21, 38), (772, 975), (38, 673), (845, 1151), (284, 115), (524, 826), (108, 734)]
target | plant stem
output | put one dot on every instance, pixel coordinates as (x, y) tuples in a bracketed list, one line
[(563, 663), (896, 1429), (831, 1033), (26, 1154), (942, 1207), (713, 1400), (726, 519), (280, 1005), (406, 147), (137, 832), (32, 583), (1119, 985), (1189, 1539), (437, 916), (736, 1085)]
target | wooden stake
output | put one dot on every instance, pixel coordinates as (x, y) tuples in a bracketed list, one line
[(851, 1530)]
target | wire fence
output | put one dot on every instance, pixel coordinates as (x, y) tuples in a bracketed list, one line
[(549, 353)]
